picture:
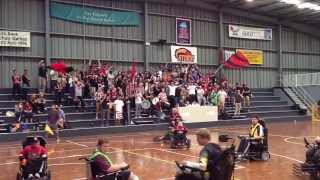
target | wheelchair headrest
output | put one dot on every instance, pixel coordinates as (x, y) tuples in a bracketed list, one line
[(30, 139)]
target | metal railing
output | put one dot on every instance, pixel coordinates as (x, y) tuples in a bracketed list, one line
[(296, 83)]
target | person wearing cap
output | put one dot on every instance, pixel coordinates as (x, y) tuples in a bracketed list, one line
[(29, 158), (208, 159), (105, 165)]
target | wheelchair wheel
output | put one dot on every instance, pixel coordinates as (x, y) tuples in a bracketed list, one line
[(265, 156), (48, 175)]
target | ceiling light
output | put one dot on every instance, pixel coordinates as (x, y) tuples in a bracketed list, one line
[(307, 5), (249, 0), (296, 2)]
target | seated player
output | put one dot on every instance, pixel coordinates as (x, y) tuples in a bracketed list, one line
[(256, 136), (180, 132), (31, 158), (208, 160), (104, 164)]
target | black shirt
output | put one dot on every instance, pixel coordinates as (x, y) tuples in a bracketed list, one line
[(210, 155), (42, 72), (246, 91)]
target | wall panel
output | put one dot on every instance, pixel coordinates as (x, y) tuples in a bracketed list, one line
[(7, 64), (22, 14)]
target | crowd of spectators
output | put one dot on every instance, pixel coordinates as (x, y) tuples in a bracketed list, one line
[(170, 86)]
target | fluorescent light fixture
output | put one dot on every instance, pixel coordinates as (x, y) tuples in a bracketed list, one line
[(295, 2), (303, 5), (249, 0), (307, 5)]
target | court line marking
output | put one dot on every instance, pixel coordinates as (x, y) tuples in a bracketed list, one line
[(79, 155), (290, 142), (286, 157), (75, 143)]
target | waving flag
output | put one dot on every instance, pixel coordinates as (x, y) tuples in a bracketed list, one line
[(236, 61)]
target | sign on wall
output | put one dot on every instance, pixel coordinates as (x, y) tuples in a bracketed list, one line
[(254, 56), (183, 31), (94, 15), (250, 32), (14, 39), (183, 54)]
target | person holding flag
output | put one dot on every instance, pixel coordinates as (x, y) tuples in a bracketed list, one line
[(52, 123)]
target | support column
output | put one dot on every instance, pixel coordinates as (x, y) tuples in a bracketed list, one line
[(146, 37), (280, 72), (221, 41), (47, 32)]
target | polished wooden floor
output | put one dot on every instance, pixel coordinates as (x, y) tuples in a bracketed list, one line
[(155, 161)]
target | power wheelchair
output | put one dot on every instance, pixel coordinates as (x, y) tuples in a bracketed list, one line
[(255, 149), (92, 174), (222, 170), (45, 173), (311, 167)]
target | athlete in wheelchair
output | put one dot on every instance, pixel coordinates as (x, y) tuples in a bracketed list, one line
[(311, 166), (254, 146), (214, 163), (179, 138), (33, 160), (101, 167)]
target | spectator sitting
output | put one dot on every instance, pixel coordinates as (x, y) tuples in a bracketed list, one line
[(41, 102), (27, 110)]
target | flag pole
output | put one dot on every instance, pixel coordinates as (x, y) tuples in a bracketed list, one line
[(219, 68)]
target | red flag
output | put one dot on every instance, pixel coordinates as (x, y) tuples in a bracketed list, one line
[(59, 67), (237, 61)]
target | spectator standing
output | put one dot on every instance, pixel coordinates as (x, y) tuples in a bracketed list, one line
[(118, 103), (246, 95), (200, 96), (53, 118), (16, 84), (138, 103), (25, 84), (58, 89), (222, 99), (78, 93), (42, 76), (238, 102), (192, 93)]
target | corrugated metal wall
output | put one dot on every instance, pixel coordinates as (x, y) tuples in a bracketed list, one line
[(78, 43)]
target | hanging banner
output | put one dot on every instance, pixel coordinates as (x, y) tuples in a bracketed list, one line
[(183, 54), (14, 39), (183, 31), (253, 56), (250, 32), (94, 15)]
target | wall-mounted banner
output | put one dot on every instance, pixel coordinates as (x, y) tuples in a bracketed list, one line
[(14, 39), (253, 56), (94, 15), (250, 32), (183, 31), (183, 54)]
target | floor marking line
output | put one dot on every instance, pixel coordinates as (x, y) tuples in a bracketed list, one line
[(79, 155), (286, 157), (290, 142), (75, 143)]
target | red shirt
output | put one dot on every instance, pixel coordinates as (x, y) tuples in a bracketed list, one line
[(180, 129), (33, 152), (27, 108)]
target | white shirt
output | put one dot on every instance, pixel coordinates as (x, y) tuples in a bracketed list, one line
[(200, 92), (138, 98), (192, 89), (119, 105), (222, 95), (172, 90)]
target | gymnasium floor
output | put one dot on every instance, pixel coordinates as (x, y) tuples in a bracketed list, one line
[(154, 161)]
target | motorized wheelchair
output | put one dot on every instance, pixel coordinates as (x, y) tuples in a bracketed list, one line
[(45, 173), (257, 149), (222, 170), (177, 142), (311, 167), (92, 174)]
